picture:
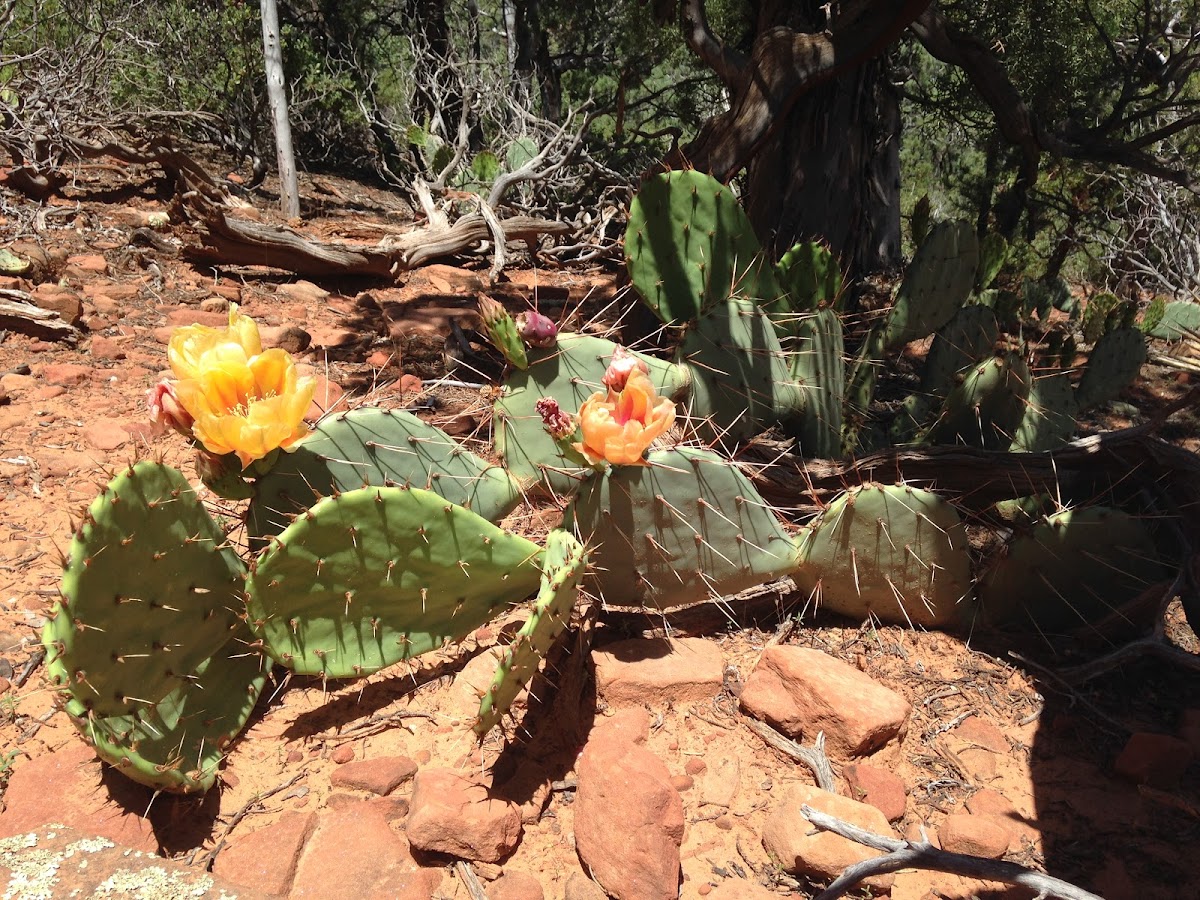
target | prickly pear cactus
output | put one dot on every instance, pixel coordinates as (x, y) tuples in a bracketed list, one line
[(1095, 315), (570, 372), (564, 565), (1112, 365), (810, 278), (145, 642), (1176, 319), (963, 341), (374, 576), (684, 528), (818, 365), (894, 552), (1076, 567), (993, 254), (380, 447), (689, 246), (502, 331), (740, 376), (936, 284), (987, 408), (150, 584), (1050, 414)]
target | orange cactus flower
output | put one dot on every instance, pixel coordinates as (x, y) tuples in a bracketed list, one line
[(620, 425), (242, 400)]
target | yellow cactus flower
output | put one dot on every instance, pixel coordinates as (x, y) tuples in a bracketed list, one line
[(242, 400), (620, 425)]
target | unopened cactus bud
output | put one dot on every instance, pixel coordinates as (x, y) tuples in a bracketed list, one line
[(491, 311), (622, 365), (557, 423), (166, 411), (536, 330)]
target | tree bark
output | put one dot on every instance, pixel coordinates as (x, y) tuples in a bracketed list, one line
[(815, 121), (289, 191)]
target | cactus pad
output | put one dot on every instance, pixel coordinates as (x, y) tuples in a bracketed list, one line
[(566, 560), (373, 576), (178, 744), (961, 342), (1050, 413), (987, 408), (1112, 365), (381, 448), (689, 246), (741, 378), (687, 527), (1177, 318), (894, 552), (1076, 567), (810, 277), (936, 285), (570, 372), (819, 367), (149, 592)]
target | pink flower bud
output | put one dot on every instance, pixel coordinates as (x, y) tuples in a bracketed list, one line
[(622, 365), (166, 411), (536, 330), (559, 424)]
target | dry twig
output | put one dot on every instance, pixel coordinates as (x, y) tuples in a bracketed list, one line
[(900, 854), (814, 757)]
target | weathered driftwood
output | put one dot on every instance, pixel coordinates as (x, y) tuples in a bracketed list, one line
[(229, 240), (19, 313)]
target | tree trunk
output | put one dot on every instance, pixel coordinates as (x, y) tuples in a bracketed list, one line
[(831, 172), (289, 191)]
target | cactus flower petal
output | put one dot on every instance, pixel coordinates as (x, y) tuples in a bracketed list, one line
[(620, 426), (242, 399)]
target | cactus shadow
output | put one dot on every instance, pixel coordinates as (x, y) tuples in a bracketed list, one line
[(180, 822)]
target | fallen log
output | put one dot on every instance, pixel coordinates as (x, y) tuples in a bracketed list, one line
[(229, 240), (19, 313)]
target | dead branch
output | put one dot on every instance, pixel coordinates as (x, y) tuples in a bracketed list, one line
[(813, 757), (229, 240), (923, 855), (18, 312)]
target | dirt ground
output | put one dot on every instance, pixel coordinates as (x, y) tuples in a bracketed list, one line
[(63, 428)]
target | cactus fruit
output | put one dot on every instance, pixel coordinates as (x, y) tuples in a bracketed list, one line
[(149, 592), (379, 447), (146, 640), (819, 367), (893, 552), (502, 331), (1075, 567), (936, 285), (564, 565), (377, 575), (986, 409), (689, 246), (740, 376), (1112, 365), (570, 372), (684, 528)]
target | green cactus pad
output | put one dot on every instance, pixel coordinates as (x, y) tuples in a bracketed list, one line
[(150, 591), (689, 245), (570, 372), (1050, 414), (1178, 317), (936, 285), (993, 254), (741, 378), (685, 528), (566, 560), (381, 448), (1095, 315), (987, 408), (818, 365), (894, 552), (810, 277), (178, 744), (961, 342), (374, 576), (1076, 567), (1112, 366)]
